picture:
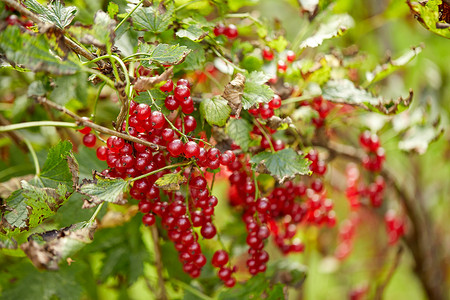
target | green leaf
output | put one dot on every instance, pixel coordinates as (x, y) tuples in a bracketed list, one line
[(46, 250), (123, 250), (171, 181), (17, 216), (28, 283), (215, 110), (54, 13), (193, 32), (428, 13), (41, 197), (253, 288), (391, 66), (42, 202), (158, 97), (70, 87), (252, 63), (33, 52), (239, 132), (165, 54), (103, 29), (60, 167), (279, 44), (334, 26), (103, 190), (282, 165), (151, 19), (234, 5), (113, 9), (255, 90), (196, 58)]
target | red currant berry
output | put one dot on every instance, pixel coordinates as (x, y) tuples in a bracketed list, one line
[(184, 82), (167, 87), (281, 66), (189, 124), (148, 219), (143, 111), (275, 102), (191, 149), (231, 32), (198, 182), (157, 119), (208, 231), (181, 92), (219, 29), (290, 56), (220, 258), (175, 147), (102, 153), (171, 103), (268, 54), (89, 140)]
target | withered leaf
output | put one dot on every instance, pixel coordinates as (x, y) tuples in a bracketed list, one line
[(233, 93), (46, 250)]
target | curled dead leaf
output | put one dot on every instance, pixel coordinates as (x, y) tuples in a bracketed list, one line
[(233, 93), (46, 250), (145, 83)]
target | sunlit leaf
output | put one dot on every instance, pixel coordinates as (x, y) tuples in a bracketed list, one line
[(54, 13), (215, 110), (282, 164)]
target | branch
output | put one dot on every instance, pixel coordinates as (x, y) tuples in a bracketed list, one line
[(159, 265), (42, 25), (84, 122), (380, 288), (16, 138)]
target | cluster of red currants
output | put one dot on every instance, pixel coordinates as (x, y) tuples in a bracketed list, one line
[(323, 108), (282, 64), (229, 31), (266, 110), (179, 214), (395, 226), (13, 19), (375, 157), (265, 142), (356, 190), (346, 235), (279, 213)]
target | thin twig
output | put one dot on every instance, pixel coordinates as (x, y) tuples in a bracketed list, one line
[(380, 288), (159, 264), (84, 122), (16, 138)]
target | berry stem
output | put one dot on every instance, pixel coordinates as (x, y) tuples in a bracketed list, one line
[(34, 156), (191, 289), (266, 136), (226, 61), (161, 169), (245, 16), (94, 215)]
